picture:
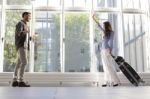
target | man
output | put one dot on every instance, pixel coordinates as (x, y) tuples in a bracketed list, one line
[(22, 44)]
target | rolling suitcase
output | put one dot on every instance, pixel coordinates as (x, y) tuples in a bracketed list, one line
[(128, 71)]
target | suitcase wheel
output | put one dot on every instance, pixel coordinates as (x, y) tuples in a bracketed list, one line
[(142, 81), (135, 84)]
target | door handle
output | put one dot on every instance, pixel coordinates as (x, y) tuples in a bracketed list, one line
[(30, 38), (63, 40), (2, 39)]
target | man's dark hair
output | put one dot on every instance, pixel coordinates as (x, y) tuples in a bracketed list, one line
[(25, 13)]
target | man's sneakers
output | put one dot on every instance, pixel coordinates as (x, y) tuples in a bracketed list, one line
[(23, 84), (19, 84), (14, 83)]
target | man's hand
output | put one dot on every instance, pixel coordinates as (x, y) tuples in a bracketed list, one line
[(26, 30)]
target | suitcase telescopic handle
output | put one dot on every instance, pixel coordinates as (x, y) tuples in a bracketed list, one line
[(113, 56)]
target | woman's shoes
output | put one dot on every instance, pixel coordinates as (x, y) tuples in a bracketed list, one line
[(114, 85), (104, 85), (117, 84)]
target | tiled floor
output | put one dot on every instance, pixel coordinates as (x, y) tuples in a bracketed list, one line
[(142, 92)]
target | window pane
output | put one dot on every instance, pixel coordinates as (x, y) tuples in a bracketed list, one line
[(12, 18), (144, 36), (77, 45), (134, 41), (106, 3), (47, 42), (0, 33), (144, 4), (53, 3), (127, 3), (133, 3), (126, 37), (136, 4), (145, 47), (0, 20), (68, 3), (78, 3), (18, 2), (139, 37)]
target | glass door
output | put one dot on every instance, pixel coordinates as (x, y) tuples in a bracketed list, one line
[(77, 42), (47, 42)]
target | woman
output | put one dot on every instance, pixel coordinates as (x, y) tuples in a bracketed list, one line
[(110, 76)]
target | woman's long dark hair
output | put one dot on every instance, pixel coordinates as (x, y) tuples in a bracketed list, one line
[(107, 28)]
